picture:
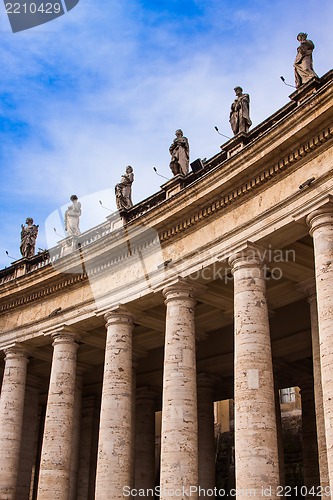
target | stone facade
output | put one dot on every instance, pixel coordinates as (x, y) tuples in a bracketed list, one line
[(215, 289)]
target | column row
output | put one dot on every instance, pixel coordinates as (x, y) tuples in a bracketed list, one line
[(256, 444)]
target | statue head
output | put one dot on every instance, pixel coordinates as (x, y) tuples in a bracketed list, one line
[(179, 133), (238, 90), (73, 197), (302, 36), (129, 169), (29, 220)]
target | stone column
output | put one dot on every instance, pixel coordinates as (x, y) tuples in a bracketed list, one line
[(309, 438), (309, 288), (256, 450), (206, 438), (55, 467), (114, 464), (76, 433), (145, 439), (321, 229), (179, 449), (29, 439), (11, 418)]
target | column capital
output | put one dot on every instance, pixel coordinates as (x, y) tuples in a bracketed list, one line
[(64, 337), (320, 217), (16, 351), (251, 256), (119, 315), (182, 289)]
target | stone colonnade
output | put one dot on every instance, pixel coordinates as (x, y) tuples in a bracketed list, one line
[(187, 441)]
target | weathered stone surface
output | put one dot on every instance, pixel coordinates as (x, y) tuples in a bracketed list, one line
[(55, 467), (309, 287), (11, 418), (114, 465), (321, 229), (255, 421), (28, 453), (179, 449)]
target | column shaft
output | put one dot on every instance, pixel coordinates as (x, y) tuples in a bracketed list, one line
[(114, 465), (318, 393), (256, 451), (29, 440), (55, 464), (11, 419), (179, 449), (321, 229)]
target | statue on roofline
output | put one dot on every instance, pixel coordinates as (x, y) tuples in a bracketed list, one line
[(303, 65), (72, 217), (123, 190), (240, 112), (28, 238), (180, 154)]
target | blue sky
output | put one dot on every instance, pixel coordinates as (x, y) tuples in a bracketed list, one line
[(107, 85)]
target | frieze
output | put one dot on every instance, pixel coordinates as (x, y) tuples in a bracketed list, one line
[(44, 292)]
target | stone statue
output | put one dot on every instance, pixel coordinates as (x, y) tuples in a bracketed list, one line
[(303, 63), (28, 238), (240, 112), (123, 190), (72, 217), (180, 154)]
